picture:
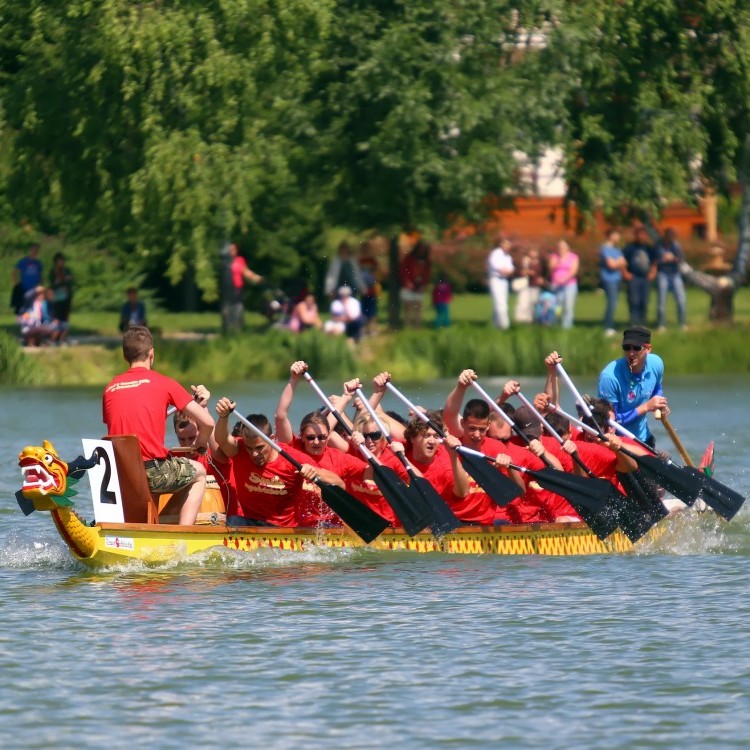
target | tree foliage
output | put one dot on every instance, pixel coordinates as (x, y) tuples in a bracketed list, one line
[(167, 128), (654, 98)]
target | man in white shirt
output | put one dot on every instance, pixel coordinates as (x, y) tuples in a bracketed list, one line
[(500, 269)]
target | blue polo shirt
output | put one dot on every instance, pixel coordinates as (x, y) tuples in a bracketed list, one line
[(627, 391)]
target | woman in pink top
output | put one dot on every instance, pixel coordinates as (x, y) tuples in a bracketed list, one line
[(563, 267)]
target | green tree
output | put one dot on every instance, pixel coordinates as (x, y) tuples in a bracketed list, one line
[(164, 128)]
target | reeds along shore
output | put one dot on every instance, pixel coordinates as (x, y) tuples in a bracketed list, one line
[(422, 354)]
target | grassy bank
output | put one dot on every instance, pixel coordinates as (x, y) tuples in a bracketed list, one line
[(191, 349)]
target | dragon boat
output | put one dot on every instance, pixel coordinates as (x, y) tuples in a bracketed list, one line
[(132, 525)]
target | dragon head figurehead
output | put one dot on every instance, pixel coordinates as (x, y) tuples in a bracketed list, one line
[(45, 477)]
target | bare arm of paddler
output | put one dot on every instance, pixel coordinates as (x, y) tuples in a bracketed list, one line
[(503, 461), (202, 396), (461, 483), (538, 449), (282, 425), (379, 388), (625, 463), (455, 400), (551, 386), (510, 388), (197, 410), (341, 402), (227, 442)]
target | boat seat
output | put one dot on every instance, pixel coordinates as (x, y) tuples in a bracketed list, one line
[(138, 503)]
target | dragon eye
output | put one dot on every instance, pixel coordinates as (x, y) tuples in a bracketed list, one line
[(48, 459)]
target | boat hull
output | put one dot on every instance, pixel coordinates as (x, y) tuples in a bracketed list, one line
[(110, 544)]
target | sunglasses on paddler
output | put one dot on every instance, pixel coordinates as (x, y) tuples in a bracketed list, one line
[(374, 435), (632, 348)]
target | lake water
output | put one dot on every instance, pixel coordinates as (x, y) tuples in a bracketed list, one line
[(364, 649)]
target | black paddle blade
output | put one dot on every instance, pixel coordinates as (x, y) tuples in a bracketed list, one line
[(672, 478), (444, 519), (641, 507), (591, 497), (363, 521), (724, 500), (501, 489), (409, 508)]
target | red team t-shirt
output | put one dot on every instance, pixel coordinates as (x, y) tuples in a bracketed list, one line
[(267, 494), (136, 402)]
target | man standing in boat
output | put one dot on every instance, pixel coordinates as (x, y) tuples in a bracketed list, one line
[(633, 383), (136, 402)]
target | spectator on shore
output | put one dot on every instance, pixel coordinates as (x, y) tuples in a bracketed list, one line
[(61, 285), (368, 264), (669, 256), (611, 265), (563, 268), (499, 271), (305, 315), (27, 276), (133, 312), (414, 275), (236, 273), (442, 295), (528, 285), (37, 324), (639, 272), (344, 270)]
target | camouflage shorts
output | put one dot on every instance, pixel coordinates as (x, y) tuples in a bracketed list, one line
[(171, 475)]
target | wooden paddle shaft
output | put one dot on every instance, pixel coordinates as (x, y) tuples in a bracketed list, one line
[(674, 437)]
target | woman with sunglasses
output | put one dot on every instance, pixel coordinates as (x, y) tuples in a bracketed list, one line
[(633, 383), (333, 465)]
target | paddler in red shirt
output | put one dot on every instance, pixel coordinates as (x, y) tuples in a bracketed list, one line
[(267, 484), (136, 403), (333, 466), (472, 428)]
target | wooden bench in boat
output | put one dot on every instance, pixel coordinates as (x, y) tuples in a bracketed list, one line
[(140, 505)]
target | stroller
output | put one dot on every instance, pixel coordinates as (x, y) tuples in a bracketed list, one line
[(276, 307)]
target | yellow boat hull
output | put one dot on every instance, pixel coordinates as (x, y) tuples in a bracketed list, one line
[(109, 544)]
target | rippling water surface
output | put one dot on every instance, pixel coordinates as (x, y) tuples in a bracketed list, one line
[(360, 649)]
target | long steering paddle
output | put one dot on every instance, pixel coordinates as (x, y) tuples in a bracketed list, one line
[(633, 521), (684, 483), (363, 521)]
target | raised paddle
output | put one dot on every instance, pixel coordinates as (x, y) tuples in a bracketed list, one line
[(592, 501), (684, 483), (500, 489), (409, 508), (363, 521), (633, 522), (444, 518)]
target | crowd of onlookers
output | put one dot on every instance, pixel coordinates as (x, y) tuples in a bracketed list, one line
[(543, 283), (43, 311)]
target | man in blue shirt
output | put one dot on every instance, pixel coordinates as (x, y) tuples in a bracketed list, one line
[(27, 276), (633, 383)]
